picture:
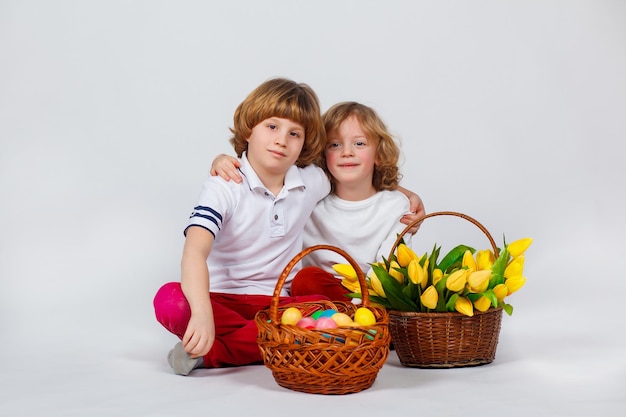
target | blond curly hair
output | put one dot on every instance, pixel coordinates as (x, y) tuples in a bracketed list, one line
[(386, 171)]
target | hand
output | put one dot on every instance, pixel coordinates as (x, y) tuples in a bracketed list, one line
[(199, 336), (226, 167), (417, 211)]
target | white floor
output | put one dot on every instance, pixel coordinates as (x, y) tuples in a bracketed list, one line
[(558, 365)]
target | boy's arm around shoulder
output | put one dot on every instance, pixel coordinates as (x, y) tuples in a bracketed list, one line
[(416, 208)]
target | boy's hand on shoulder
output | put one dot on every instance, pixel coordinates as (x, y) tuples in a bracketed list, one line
[(226, 166), (417, 211)]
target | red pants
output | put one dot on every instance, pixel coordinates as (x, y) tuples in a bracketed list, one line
[(313, 280), (235, 329)]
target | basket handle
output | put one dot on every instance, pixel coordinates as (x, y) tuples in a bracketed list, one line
[(445, 213), (273, 312)]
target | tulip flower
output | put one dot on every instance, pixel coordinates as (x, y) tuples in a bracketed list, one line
[(437, 275), (464, 306), (346, 271), (456, 281), (429, 297), (416, 272), (405, 255), (376, 285), (484, 259), (500, 291), (515, 283), (352, 286), (515, 267), (482, 304), (425, 269), (468, 261), (462, 280), (479, 281), (393, 271), (519, 246)]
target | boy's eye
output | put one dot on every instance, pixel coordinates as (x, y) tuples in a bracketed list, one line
[(333, 145), (295, 134), (271, 126)]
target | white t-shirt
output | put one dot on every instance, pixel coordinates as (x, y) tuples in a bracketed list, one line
[(256, 233), (365, 229)]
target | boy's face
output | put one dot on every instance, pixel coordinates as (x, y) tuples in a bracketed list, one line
[(274, 145), (350, 155)]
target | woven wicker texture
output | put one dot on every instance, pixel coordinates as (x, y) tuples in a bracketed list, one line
[(331, 361), (445, 340)]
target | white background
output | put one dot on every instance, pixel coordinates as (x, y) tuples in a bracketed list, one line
[(111, 112)]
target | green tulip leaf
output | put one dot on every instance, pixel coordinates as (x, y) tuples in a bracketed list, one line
[(492, 297), (474, 296), (432, 260), (380, 300), (498, 267), (393, 291), (440, 286), (454, 258), (451, 302), (508, 308), (411, 291)]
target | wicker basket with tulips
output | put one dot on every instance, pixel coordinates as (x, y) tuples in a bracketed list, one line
[(445, 311)]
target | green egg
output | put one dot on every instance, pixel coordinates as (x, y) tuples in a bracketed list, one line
[(317, 314)]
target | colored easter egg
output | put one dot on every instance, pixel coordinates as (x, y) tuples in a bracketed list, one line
[(326, 323), (364, 317), (291, 316), (342, 319), (316, 315), (323, 313), (307, 323), (328, 313)]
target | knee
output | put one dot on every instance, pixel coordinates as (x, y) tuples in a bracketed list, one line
[(307, 273), (170, 303), (309, 280), (167, 292)]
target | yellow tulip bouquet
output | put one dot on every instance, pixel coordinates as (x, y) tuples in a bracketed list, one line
[(464, 280)]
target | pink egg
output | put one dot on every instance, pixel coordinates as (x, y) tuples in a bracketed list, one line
[(307, 323), (326, 323)]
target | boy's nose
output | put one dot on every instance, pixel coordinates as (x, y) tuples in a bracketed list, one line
[(280, 139)]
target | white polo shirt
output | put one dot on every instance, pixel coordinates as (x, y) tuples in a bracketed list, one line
[(256, 233)]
